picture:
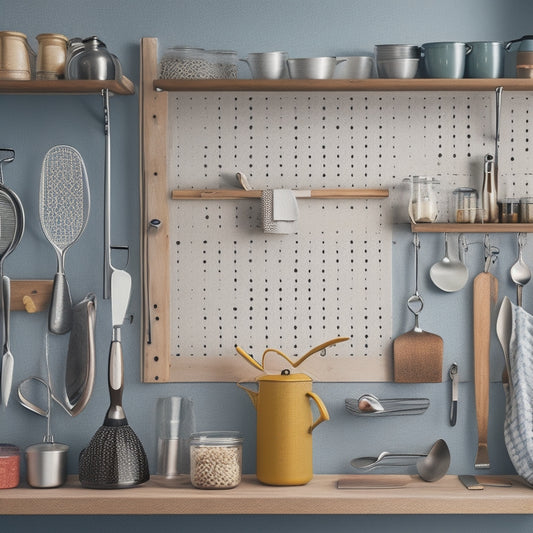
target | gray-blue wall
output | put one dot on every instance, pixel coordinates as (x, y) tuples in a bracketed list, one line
[(32, 124)]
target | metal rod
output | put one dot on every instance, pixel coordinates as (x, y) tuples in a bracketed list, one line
[(107, 198)]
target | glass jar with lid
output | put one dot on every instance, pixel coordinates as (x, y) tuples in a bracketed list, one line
[(216, 459), (466, 200), (185, 62), (224, 63), (423, 202)]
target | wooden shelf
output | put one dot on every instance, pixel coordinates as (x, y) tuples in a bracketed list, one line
[(374, 84), (123, 86), (238, 194), (320, 496), (471, 228)]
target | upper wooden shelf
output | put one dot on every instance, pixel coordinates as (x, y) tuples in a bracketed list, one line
[(472, 228), (320, 496), (123, 86), (373, 84)]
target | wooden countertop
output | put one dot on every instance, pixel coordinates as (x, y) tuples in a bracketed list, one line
[(320, 496)]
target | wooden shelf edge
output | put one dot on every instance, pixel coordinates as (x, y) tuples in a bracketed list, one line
[(124, 86), (372, 84), (238, 194), (472, 228), (319, 497)]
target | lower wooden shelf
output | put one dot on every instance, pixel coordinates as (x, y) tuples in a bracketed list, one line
[(319, 497)]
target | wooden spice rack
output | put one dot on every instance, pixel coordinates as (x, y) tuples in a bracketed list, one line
[(472, 228), (161, 496)]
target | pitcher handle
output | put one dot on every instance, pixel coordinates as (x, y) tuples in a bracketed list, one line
[(323, 412)]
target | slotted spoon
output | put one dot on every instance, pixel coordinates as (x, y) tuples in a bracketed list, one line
[(64, 204)]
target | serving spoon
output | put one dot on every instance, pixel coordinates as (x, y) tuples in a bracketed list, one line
[(520, 272), (447, 274), (430, 467)]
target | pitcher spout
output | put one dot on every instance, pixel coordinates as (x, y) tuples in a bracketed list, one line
[(251, 393)]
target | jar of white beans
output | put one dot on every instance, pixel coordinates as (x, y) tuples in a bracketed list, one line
[(216, 459)]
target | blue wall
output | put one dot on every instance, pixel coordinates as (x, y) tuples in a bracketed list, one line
[(32, 124)]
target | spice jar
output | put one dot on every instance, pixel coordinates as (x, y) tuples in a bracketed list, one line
[(526, 209), (9, 466), (423, 203), (465, 205), (216, 459), (510, 211)]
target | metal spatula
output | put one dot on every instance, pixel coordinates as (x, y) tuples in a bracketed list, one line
[(64, 204)]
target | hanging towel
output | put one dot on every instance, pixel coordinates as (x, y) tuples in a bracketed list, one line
[(279, 211), (518, 424)]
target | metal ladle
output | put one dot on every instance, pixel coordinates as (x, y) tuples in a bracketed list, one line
[(447, 274), (520, 272), (430, 467)]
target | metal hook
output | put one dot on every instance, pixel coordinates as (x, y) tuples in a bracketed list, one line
[(8, 159)]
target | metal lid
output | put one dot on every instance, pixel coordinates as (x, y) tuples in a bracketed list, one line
[(285, 376)]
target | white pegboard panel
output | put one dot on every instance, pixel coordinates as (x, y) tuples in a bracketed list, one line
[(233, 284)]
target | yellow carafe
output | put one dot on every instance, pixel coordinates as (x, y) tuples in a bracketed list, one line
[(284, 427)]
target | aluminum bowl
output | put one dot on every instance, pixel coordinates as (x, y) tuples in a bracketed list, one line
[(312, 68), (396, 51), (398, 68), (354, 68)]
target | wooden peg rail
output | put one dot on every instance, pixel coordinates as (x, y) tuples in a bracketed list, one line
[(238, 194), (30, 295)]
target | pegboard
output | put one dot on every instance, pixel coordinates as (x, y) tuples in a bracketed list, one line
[(232, 284)]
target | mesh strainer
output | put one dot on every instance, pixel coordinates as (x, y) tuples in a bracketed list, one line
[(64, 204)]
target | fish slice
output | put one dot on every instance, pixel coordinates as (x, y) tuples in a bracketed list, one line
[(64, 204), (417, 354)]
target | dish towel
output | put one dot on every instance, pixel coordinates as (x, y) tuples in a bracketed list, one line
[(518, 424), (279, 211)]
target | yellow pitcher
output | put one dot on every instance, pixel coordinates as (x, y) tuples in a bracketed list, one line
[(285, 422)]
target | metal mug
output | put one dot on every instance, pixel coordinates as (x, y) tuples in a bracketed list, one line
[(445, 59), (486, 60), (267, 65)]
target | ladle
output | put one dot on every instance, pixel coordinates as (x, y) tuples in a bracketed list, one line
[(447, 274), (430, 467), (520, 273)]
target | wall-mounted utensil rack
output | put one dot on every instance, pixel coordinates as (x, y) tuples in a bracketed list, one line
[(472, 228), (34, 295), (236, 194)]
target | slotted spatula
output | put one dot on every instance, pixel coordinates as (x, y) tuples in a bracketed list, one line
[(417, 354)]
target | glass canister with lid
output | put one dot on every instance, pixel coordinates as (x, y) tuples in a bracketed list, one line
[(185, 62), (216, 459), (423, 202)]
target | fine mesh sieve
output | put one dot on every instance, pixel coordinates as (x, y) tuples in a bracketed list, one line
[(64, 204)]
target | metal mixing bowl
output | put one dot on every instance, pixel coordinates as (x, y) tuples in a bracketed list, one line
[(312, 68)]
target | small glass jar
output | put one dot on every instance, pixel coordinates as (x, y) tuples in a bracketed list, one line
[(224, 63), (423, 202), (526, 210), (466, 200), (9, 466), (216, 459), (510, 211)]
